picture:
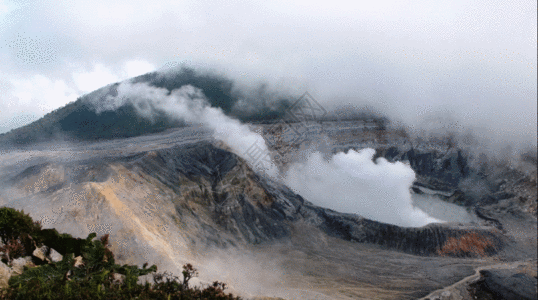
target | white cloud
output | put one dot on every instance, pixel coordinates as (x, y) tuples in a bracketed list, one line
[(42, 94), (135, 68), (6, 7), (25, 100), (101, 75), (97, 78)]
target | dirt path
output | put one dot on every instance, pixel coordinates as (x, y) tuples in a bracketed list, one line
[(458, 290)]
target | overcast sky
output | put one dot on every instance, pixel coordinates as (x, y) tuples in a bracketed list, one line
[(472, 63)]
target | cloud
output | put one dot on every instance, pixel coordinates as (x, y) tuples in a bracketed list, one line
[(90, 81), (29, 99), (137, 67), (25, 100), (100, 75), (413, 60), (4, 8)]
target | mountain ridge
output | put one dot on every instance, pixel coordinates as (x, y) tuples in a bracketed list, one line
[(83, 119)]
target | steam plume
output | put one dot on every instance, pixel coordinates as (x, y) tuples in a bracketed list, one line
[(353, 183), (189, 104)]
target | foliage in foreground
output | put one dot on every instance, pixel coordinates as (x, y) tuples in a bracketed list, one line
[(99, 277)]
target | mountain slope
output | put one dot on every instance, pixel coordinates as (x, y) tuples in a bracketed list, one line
[(83, 120)]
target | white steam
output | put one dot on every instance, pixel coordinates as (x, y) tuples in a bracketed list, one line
[(349, 183), (353, 183), (190, 105)]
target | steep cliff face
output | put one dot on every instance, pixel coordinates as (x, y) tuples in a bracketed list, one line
[(111, 203), (430, 240), (219, 189)]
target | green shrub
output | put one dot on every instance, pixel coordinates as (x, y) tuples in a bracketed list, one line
[(16, 231), (20, 235), (97, 277), (63, 243)]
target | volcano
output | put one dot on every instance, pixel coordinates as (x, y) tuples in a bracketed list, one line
[(167, 192)]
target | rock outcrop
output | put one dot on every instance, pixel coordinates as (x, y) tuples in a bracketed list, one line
[(507, 284)]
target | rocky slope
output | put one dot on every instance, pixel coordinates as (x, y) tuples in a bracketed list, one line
[(176, 197), (214, 193)]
